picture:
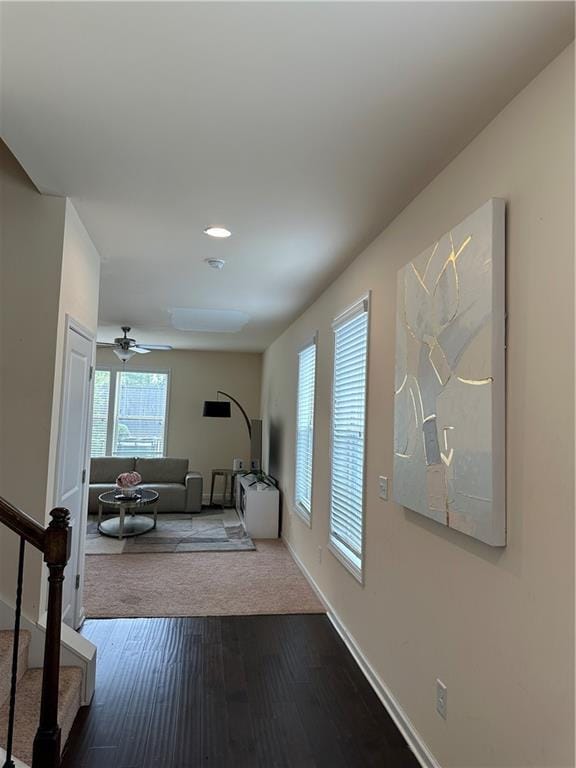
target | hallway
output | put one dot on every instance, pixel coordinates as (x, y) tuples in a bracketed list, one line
[(251, 691)]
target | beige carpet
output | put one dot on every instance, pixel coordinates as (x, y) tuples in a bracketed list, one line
[(198, 584)]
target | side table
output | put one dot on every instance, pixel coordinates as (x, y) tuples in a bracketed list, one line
[(228, 475)]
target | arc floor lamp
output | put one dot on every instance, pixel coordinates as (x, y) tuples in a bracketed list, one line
[(221, 409)]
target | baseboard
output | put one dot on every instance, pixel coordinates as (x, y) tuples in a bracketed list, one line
[(398, 715)]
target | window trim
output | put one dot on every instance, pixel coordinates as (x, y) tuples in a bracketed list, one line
[(299, 509), (363, 304), (114, 370)]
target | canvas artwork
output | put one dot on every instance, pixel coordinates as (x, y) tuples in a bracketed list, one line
[(449, 406)]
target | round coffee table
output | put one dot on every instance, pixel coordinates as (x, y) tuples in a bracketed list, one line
[(132, 525)]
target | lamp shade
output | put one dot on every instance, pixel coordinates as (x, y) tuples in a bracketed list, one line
[(124, 354), (217, 408)]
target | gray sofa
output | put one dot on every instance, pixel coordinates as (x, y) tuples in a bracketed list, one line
[(179, 489)]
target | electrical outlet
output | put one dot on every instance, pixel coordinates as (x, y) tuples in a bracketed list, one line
[(320, 555), (383, 487), (441, 699)]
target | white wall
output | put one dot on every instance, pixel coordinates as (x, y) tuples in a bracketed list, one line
[(497, 626), (31, 261), (195, 377), (49, 268), (78, 300)]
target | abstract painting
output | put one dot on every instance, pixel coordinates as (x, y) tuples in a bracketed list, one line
[(449, 404)]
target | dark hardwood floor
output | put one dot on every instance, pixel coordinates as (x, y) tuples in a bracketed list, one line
[(238, 692)]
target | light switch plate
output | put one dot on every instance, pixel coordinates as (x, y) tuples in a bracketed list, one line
[(383, 487)]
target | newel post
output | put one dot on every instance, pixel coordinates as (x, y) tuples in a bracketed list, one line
[(46, 753)]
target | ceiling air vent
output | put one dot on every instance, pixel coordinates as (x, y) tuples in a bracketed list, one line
[(209, 320)]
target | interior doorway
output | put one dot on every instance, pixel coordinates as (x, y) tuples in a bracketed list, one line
[(72, 461)]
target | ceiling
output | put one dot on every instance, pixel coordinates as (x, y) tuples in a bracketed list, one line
[(302, 127)]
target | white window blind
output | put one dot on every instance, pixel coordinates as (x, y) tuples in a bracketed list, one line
[(348, 431), (100, 413), (129, 413), (305, 430)]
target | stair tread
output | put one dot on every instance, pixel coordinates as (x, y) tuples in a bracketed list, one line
[(6, 640), (7, 634), (28, 709), (6, 644)]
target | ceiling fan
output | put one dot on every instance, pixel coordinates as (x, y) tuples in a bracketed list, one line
[(124, 347)]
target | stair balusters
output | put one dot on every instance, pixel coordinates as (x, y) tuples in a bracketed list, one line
[(54, 543), (9, 763)]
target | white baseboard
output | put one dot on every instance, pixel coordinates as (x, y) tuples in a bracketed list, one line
[(398, 715)]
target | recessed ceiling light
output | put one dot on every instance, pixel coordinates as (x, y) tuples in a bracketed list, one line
[(217, 232)]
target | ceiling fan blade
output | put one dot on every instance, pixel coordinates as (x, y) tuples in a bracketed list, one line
[(139, 349), (156, 347), (105, 344)]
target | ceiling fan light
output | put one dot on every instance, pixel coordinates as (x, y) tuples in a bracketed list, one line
[(124, 354)]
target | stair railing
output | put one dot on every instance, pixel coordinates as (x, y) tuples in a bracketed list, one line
[(54, 543)]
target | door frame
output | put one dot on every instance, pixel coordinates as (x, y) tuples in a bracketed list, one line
[(71, 324)]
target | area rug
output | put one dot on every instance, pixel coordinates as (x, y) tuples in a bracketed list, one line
[(264, 581), (210, 531)]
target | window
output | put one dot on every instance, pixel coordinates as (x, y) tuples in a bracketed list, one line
[(305, 430), (129, 413), (100, 410), (348, 432)]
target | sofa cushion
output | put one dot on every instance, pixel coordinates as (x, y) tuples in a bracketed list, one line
[(171, 496), (162, 470), (105, 469)]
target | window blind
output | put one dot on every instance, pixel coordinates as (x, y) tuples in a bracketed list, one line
[(305, 430), (129, 413), (100, 413), (348, 430)]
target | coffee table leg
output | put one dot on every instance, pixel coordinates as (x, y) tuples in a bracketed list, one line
[(121, 526), (99, 515)]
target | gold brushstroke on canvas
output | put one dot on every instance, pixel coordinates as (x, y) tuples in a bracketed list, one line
[(430, 260), (419, 397), (397, 391), (452, 256), (447, 457), (476, 382), (440, 363), (419, 278)]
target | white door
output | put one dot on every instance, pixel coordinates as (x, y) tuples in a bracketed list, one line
[(72, 460)]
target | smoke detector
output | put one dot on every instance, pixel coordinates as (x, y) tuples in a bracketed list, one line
[(215, 263)]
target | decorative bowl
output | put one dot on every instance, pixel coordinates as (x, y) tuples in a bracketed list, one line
[(127, 492)]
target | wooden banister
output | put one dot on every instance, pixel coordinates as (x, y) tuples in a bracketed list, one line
[(46, 752), (54, 542), (22, 524)]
